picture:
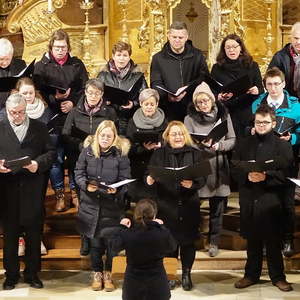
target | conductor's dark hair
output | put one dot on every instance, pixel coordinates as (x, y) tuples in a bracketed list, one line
[(145, 211), (264, 110)]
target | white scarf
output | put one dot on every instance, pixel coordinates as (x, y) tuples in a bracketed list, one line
[(19, 130), (36, 109)]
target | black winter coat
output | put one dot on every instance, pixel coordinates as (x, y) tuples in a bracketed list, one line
[(172, 72), (282, 59), (145, 276), (100, 210), (239, 107), (261, 203), (133, 75), (15, 67), (178, 207), (79, 124), (23, 192), (72, 75)]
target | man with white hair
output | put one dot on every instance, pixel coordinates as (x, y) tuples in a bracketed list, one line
[(9, 66), (23, 189), (288, 61)]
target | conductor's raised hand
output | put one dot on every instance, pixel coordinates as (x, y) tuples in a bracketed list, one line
[(150, 180), (187, 183), (126, 222)]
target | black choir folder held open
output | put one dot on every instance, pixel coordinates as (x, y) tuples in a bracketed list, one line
[(103, 186), (237, 87), (259, 166), (9, 83), (143, 136), (215, 134), (119, 96), (178, 174), (16, 164)]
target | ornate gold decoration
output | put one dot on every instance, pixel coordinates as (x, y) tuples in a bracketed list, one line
[(144, 31), (269, 37), (86, 42), (5, 7), (124, 36), (254, 10), (191, 14)]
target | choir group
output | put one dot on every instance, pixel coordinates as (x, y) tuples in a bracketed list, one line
[(192, 135)]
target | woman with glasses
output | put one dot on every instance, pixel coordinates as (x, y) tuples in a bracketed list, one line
[(202, 116), (121, 72), (233, 62), (103, 161), (178, 202), (61, 78), (149, 118)]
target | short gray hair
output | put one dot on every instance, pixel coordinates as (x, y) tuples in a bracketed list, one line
[(15, 100), (6, 47), (95, 82), (147, 93), (295, 27)]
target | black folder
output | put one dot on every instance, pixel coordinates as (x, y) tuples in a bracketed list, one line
[(78, 133), (51, 123), (237, 87), (9, 83), (215, 134), (284, 125), (258, 166), (189, 88), (52, 88), (18, 163), (119, 96), (178, 174), (146, 136)]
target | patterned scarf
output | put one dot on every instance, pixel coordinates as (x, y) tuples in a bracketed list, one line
[(296, 80), (119, 73), (36, 109), (19, 130)]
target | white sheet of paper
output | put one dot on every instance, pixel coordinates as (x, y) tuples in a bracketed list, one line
[(120, 183), (295, 180)]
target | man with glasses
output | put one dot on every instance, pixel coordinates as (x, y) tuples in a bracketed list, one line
[(23, 189), (261, 194), (176, 65), (288, 61), (61, 79), (287, 111)]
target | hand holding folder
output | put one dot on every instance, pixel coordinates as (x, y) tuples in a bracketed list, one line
[(143, 136), (18, 163), (107, 187)]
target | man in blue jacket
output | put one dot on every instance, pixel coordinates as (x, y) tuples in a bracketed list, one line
[(287, 111)]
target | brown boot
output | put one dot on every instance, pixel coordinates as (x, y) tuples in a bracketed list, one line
[(75, 200), (60, 200), (108, 284), (244, 283), (97, 284)]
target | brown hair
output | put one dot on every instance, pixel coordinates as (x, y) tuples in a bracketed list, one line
[(273, 72), (59, 35), (145, 211), (265, 110), (121, 46), (28, 81), (178, 25), (245, 57)]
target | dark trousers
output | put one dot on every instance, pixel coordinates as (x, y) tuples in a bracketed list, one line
[(288, 206), (255, 259), (32, 257), (187, 255), (216, 210), (99, 247)]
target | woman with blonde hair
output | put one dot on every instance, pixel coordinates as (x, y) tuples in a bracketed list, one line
[(178, 203), (103, 161)]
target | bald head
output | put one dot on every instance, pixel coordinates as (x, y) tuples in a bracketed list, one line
[(295, 36)]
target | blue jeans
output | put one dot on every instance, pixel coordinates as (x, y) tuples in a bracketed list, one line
[(57, 168)]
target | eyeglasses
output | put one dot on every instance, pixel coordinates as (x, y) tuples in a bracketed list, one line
[(203, 102), (62, 48), (174, 134), (231, 47), (95, 94), (276, 84), (17, 113), (262, 123)]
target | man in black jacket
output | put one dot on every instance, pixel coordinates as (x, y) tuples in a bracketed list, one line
[(177, 65), (261, 196), (9, 66), (288, 61)]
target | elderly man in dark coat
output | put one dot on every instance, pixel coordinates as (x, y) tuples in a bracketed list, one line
[(261, 196), (23, 189)]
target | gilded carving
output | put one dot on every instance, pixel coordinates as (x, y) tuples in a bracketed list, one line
[(59, 3), (144, 30)]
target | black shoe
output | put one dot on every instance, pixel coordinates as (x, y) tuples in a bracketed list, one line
[(187, 284), (288, 248), (34, 282), (9, 284), (172, 284), (85, 246)]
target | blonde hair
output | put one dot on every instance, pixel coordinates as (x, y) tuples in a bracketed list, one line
[(120, 143), (187, 137)]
